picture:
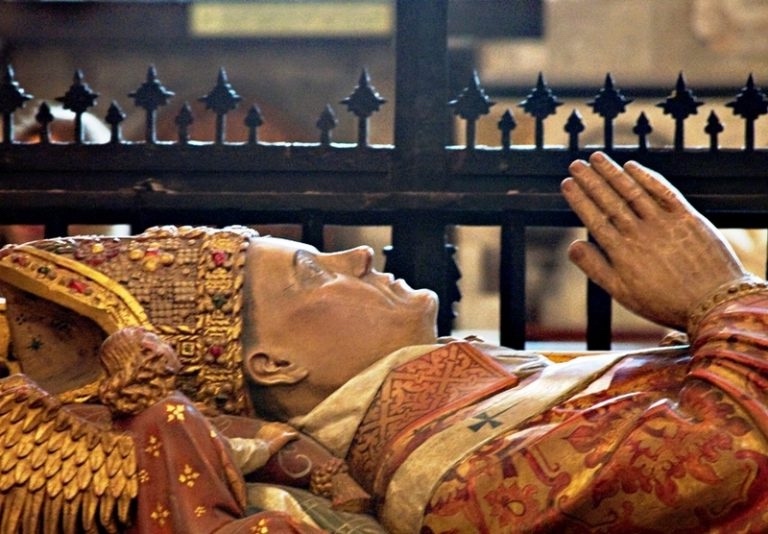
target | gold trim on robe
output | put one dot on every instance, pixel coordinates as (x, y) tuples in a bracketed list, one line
[(415, 394), (334, 421)]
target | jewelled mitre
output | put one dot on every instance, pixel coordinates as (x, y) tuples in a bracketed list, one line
[(183, 283)]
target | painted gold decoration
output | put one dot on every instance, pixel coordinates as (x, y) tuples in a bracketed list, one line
[(182, 283), (58, 469)]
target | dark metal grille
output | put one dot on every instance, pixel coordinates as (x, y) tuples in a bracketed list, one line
[(420, 186)]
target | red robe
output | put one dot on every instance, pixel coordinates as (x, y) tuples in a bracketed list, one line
[(188, 481), (672, 443)]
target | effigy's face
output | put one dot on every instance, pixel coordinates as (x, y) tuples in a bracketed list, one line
[(330, 313)]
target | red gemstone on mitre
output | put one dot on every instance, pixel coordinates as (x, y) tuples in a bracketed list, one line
[(20, 260), (219, 257), (77, 285)]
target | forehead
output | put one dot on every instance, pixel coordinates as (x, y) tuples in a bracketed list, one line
[(271, 258), (275, 247)]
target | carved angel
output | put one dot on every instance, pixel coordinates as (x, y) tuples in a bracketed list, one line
[(153, 464)]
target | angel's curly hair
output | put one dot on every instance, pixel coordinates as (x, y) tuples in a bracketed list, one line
[(140, 370)]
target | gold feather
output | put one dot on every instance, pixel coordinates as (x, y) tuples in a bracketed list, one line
[(94, 438), (117, 485), (7, 461), (100, 483), (54, 485), (57, 439), (79, 429), (51, 410), (82, 450), (84, 477), (53, 464), (32, 514), (24, 446), (6, 481), (12, 432), (106, 509), (108, 442), (52, 510), (36, 480), (68, 446), (69, 516), (38, 457), (96, 457), (125, 446), (36, 402), (123, 508), (7, 402), (70, 489), (32, 418), (19, 410), (88, 510), (21, 472), (62, 422), (113, 462), (14, 503), (129, 458), (44, 431), (67, 473)]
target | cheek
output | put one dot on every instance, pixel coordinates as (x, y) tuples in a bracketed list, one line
[(353, 333), (325, 316), (363, 319)]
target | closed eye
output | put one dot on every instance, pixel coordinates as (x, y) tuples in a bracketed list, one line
[(308, 268)]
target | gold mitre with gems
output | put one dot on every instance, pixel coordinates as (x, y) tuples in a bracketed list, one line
[(183, 283)]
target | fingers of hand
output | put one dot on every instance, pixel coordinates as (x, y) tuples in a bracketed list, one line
[(599, 224), (623, 181), (661, 193), (597, 182)]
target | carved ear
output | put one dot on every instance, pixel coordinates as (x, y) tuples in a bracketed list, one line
[(268, 371)]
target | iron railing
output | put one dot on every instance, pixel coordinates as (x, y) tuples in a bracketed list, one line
[(420, 186)]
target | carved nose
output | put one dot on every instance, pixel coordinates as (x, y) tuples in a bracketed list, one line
[(363, 260)]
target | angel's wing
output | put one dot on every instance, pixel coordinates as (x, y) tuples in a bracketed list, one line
[(58, 471)]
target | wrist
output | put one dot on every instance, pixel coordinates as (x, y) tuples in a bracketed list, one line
[(744, 285)]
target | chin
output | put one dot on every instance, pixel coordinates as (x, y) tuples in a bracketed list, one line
[(432, 304), (425, 294), (429, 315)]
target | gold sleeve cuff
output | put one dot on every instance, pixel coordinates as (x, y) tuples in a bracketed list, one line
[(746, 285)]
